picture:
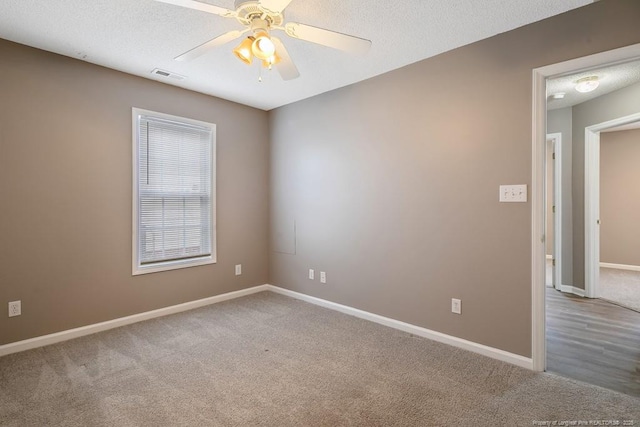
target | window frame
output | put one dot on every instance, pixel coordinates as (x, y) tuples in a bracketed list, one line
[(137, 267)]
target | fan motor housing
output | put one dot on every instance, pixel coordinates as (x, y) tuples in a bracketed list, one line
[(248, 10)]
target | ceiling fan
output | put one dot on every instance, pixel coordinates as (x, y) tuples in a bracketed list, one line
[(259, 17)]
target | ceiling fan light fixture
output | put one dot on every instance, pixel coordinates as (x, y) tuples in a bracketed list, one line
[(243, 50), (262, 47), (272, 60), (259, 17), (587, 84)]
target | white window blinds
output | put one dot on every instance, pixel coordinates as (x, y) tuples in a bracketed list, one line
[(174, 180)]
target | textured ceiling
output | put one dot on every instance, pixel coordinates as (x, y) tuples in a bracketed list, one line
[(141, 35), (611, 79)]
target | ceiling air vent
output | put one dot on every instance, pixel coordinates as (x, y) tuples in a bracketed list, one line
[(169, 74)]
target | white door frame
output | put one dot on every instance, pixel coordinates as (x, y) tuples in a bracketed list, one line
[(557, 202), (538, 154), (592, 201)]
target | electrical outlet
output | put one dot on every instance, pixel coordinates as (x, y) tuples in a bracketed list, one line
[(312, 274), (238, 269), (456, 306), (15, 308), (323, 277)]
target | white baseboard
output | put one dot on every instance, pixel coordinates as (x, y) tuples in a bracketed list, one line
[(620, 266), (44, 340), (41, 341), (484, 350), (572, 290)]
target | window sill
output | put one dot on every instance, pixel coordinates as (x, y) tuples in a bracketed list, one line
[(171, 265)]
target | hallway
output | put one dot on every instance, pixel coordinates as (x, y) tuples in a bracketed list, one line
[(593, 341)]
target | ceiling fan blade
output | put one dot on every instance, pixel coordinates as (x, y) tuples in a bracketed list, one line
[(204, 7), (328, 38), (274, 6), (286, 68), (207, 46)]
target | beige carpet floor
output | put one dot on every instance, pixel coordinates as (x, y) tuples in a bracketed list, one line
[(269, 360), (621, 287)]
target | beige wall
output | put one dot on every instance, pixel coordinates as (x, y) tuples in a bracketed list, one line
[(392, 185), (65, 190), (393, 182), (559, 121), (616, 104), (620, 197)]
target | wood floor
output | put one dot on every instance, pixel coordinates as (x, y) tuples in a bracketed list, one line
[(593, 341)]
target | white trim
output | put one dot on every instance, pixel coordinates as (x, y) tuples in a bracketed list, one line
[(538, 215), (557, 202), (591, 212), (571, 290), (549, 256), (592, 200), (484, 350), (538, 136), (41, 341), (620, 266), (57, 337)]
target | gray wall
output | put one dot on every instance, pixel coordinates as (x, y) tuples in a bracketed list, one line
[(559, 121), (393, 182), (620, 197), (65, 189), (616, 104)]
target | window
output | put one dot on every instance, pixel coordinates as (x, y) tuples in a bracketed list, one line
[(173, 192)]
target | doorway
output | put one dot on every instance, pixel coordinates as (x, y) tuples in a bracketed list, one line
[(591, 339), (592, 199), (538, 239), (614, 148)]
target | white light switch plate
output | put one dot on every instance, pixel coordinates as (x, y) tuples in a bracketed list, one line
[(513, 193)]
